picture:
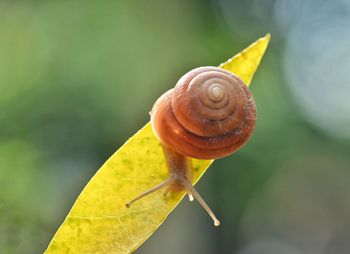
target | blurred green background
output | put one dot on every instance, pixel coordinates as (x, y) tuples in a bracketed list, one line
[(77, 78)]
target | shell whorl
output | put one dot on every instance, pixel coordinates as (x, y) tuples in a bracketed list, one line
[(209, 114), (209, 101)]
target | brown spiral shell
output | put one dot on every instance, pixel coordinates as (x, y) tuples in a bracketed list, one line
[(209, 114)]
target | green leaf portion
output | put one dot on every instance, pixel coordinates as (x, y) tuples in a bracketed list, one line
[(99, 222)]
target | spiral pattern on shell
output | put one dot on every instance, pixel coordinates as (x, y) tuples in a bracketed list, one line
[(209, 114)]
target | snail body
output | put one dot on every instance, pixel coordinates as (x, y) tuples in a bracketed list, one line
[(208, 115)]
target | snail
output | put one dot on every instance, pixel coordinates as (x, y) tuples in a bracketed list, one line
[(209, 114)]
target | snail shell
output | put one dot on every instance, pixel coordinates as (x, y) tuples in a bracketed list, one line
[(209, 114)]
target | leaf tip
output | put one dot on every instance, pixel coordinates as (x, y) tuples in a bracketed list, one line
[(267, 37), (254, 53), (264, 41)]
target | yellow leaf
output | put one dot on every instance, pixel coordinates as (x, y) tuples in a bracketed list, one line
[(245, 63), (99, 222)]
